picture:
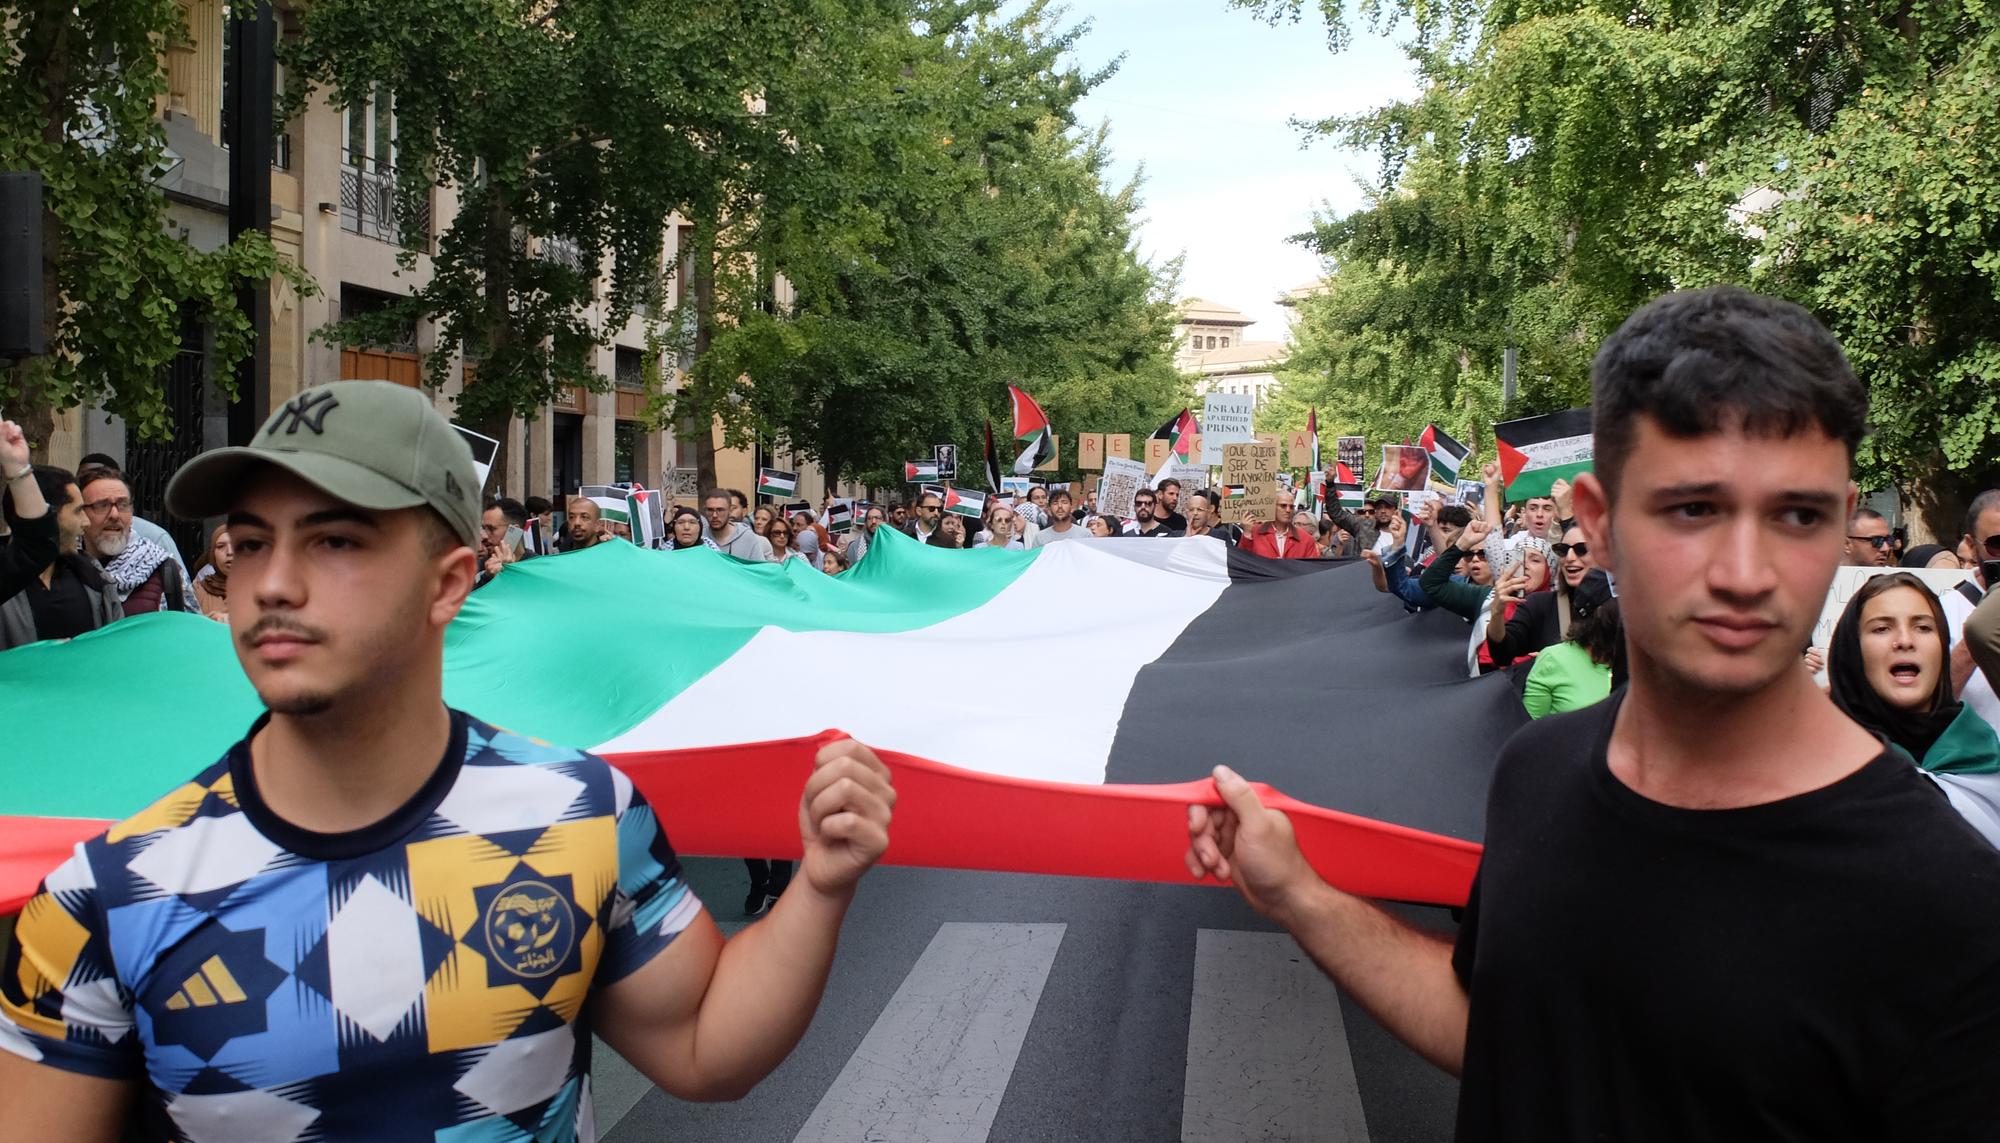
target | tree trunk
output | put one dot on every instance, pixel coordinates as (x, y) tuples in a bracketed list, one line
[(703, 430), (32, 407), (497, 251)]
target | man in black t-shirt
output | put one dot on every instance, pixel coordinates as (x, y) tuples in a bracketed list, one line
[(1711, 907)]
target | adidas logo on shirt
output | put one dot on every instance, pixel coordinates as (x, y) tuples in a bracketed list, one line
[(209, 986)]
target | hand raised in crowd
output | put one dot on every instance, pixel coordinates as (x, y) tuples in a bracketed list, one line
[(1512, 587), (1473, 536), (844, 816), (1249, 523), (1246, 844), (1426, 512), (1399, 528), (14, 454), (1560, 492), (1490, 470), (1373, 557)]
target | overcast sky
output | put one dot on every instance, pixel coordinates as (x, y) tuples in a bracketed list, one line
[(1203, 100)]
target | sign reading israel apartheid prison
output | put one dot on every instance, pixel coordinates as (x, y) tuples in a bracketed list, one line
[(1250, 473), (1225, 420), (1123, 478)]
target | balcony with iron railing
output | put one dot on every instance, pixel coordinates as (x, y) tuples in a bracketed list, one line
[(368, 204)]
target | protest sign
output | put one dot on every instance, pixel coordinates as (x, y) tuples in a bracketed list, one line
[(1405, 468), (947, 461), (1194, 449), (1191, 476), (1157, 452), (1014, 485), (1117, 445), (1123, 477), (1534, 452), (484, 450), (1270, 438), (1055, 455), (840, 515), (1090, 451), (1848, 580), (1351, 451), (1225, 420), (1251, 467), (1471, 493), (1299, 448), (1413, 502)]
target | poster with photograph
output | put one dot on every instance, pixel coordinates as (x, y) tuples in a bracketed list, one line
[(1123, 477), (1405, 468), (1351, 451)]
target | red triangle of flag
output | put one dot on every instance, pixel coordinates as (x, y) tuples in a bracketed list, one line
[(1512, 461)]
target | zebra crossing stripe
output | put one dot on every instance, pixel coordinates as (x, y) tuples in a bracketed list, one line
[(1267, 1054), (936, 1062)]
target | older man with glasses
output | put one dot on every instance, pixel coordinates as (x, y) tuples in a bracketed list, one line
[(144, 575)]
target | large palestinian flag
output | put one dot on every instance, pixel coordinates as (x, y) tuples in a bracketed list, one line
[(1168, 656), (1537, 451)]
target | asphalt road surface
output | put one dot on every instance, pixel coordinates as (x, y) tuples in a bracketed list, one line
[(981, 1006)]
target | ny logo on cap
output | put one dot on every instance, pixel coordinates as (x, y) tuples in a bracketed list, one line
[(308, 409)]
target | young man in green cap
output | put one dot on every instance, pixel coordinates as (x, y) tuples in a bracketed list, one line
[(377, 917)]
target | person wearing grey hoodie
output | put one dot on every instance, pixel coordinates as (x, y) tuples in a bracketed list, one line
[(733, 537)]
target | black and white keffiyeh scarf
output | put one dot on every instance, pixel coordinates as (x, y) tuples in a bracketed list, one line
[(135, 565)]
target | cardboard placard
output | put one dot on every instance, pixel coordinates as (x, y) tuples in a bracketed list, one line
[(1253, 468), (1055, 455), (1117, 445), (1123, 477), (1157, 452), (1090, 452), (1194, 450), (1270, 438), (1225, 420), (1299, 449)]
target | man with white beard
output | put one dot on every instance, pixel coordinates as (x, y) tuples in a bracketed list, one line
[(141, 572)]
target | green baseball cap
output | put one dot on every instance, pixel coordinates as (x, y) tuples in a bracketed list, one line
[(373, 444)]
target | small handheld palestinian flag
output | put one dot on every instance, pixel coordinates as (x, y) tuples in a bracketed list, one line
[(1178, 432), (1348, 494), (919, 471), (1536, 451), (1447, 455), (840, 517), (1031, 432), (535, 539), (612, 509), (775, 483), (648, 516), (959, 502)]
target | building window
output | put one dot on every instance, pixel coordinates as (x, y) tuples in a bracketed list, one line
[(625, 445), (628, 368), (368, 175), (1225, 343), (392, 358)]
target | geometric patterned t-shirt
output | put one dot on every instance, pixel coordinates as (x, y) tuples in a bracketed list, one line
[(423, 978)]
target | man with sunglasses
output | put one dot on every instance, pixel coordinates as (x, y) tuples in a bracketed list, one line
[(1146, 522), (1982, 542), (1868, 540)]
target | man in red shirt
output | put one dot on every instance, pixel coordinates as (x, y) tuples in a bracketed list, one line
[(1281, 539)]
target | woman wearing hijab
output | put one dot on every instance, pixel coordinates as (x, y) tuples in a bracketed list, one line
[(1887, 670), (1544, 617), (684, 531), (1576, 672)]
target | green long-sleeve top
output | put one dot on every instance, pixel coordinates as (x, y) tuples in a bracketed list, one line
[(1565, 677), (1461, 599)]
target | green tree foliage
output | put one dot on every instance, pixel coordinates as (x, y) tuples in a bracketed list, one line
[(78, 91), (959, 237), (1568, 159)]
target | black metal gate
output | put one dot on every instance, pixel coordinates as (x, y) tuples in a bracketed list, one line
[(149, 464)]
